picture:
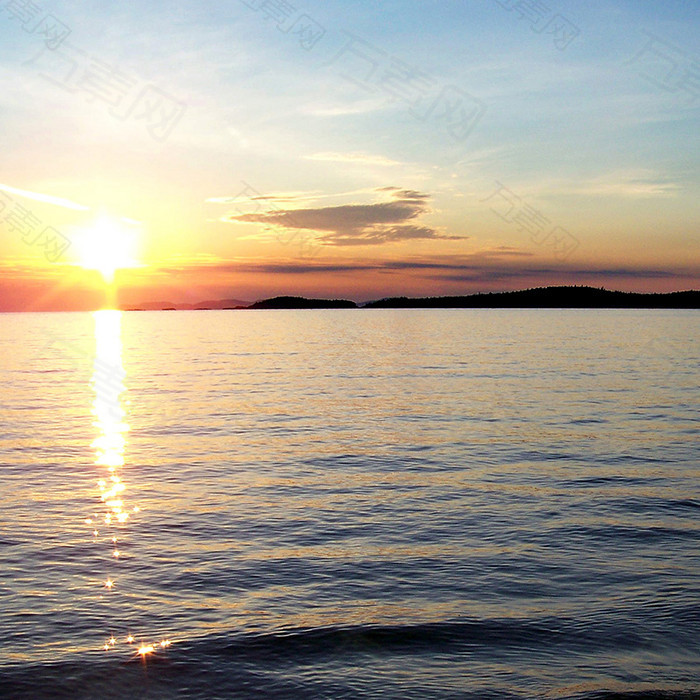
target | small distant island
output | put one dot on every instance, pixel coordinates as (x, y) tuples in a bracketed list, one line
[(303, 303), (564, 297)]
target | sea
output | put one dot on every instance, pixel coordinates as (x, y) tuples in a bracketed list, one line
[(360, 503)]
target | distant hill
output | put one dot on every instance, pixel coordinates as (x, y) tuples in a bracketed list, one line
[(222, 304), (302, 303), (201, 305), (549, 297)]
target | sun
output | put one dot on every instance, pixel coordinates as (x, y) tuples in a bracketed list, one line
[(108, 245)]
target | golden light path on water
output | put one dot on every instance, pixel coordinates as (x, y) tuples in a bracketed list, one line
[(110, 420)]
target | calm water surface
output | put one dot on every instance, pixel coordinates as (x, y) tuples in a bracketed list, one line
[(350, 504)]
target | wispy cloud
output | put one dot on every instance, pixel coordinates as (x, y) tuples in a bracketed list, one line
[(623, 183), (291, 197), (277, 197), (638, 183), (349, 108), (356, 158), (46, 198)]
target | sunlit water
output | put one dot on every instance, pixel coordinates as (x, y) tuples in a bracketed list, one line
[(350, 504)]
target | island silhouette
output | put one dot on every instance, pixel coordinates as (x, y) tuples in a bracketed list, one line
[(551, 297), (303, 303), (562, 297)]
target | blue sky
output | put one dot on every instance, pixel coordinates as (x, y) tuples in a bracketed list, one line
[(575, 117)]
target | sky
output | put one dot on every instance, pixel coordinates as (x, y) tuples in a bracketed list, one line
[(185, 151)]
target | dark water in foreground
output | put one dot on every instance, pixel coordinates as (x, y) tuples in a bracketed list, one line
[(350, 504)]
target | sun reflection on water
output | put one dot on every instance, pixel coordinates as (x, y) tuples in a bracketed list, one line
[(109, 409)]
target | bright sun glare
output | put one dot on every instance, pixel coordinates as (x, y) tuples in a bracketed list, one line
[(107, 246)]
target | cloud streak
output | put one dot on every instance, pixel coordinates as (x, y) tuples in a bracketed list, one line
[(496, 264), (353, 158), (638, 184), (46, 198)]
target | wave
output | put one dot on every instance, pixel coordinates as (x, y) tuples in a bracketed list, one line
[(344, 662)]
